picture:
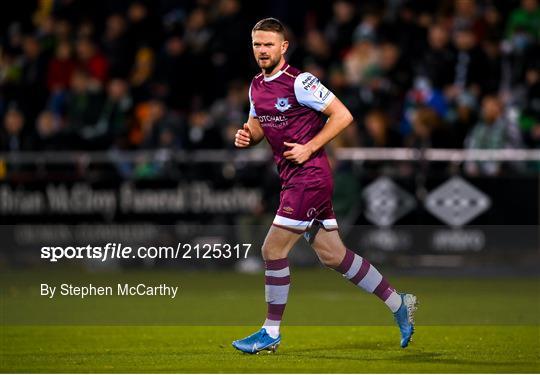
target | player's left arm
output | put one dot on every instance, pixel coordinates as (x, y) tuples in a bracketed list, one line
[(339, 118)]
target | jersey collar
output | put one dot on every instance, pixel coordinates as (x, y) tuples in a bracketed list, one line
[(277, 74)]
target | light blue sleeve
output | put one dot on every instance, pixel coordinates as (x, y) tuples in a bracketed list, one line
[(311, 93), (251, 106)]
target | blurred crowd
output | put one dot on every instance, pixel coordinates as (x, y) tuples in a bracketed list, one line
[(123, 74)]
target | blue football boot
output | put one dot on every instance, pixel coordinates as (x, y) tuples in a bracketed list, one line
[(405, 317), (257, 342)]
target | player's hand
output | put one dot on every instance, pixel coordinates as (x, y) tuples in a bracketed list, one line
[(298, 153), (242, 139)]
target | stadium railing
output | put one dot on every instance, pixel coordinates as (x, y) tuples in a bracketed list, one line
[(260, 155)]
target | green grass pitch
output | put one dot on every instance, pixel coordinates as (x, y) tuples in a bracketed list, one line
[(473, 325)]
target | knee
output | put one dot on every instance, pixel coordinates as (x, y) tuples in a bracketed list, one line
[(272, 253)]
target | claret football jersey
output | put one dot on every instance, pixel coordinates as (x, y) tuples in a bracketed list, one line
[(288, 105)]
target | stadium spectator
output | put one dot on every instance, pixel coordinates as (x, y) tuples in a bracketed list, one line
[(493, 132), (463, 118), (63, 30), (378, 131), (232, 110), (318, 50), (469, 74), (203, 132), (61, 68), (12, 137), (92, 61), (188, 53), (362, 59), (406, 32), (84, 104), (117, 45), (438, 59), (33, 84), (141, 74), (422, 95), (48, 127), (229, 55), (493, 22), (10, 76), (155, 119), (340, 28), (429, 130), (143, 26), (492, 66), (59, 75), (525, 20), (198, 36), (112, 123), (174, 73), (392, 75), (529, 119), (467, 16)]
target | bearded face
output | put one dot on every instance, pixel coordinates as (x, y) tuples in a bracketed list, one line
[(268, 49)]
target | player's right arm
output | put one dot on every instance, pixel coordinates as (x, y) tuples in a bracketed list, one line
[(252, 131), (250, 134)]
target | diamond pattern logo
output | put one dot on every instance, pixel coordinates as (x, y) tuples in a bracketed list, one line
[(457, 202), (386, 202)]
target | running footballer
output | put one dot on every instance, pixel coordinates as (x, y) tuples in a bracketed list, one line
[(288, 108)]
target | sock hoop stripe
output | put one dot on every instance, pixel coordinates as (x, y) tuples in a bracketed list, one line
[(355, 267), (276, 264), (272, 280), (366, 276), (276, 308), (275, 317), (362, 272), (279, 273), (275, 311), (382, 290), (371, 280), (346, 263), (387, 293)]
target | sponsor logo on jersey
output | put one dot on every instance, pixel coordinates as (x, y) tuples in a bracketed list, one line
[(321, 93), (282, 104), (271, 118), (288, 210), (310, 83), (273, 121)]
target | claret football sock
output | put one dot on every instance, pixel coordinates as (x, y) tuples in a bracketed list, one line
[(363, 274), (277, 282)]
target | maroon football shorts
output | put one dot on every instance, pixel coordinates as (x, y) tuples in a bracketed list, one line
[(304, 200)]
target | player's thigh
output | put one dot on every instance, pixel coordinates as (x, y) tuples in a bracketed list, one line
[(278, 243), (329, 247)]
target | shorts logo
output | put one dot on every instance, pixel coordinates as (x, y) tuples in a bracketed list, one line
[(288, 210), (282, 104), (311, 212)]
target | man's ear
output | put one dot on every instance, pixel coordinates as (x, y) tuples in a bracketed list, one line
[(284, 46)]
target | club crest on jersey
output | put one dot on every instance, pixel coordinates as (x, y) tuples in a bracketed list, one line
[(282, 104)]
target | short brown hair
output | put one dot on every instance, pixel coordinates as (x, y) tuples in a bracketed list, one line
[(269, 24)]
